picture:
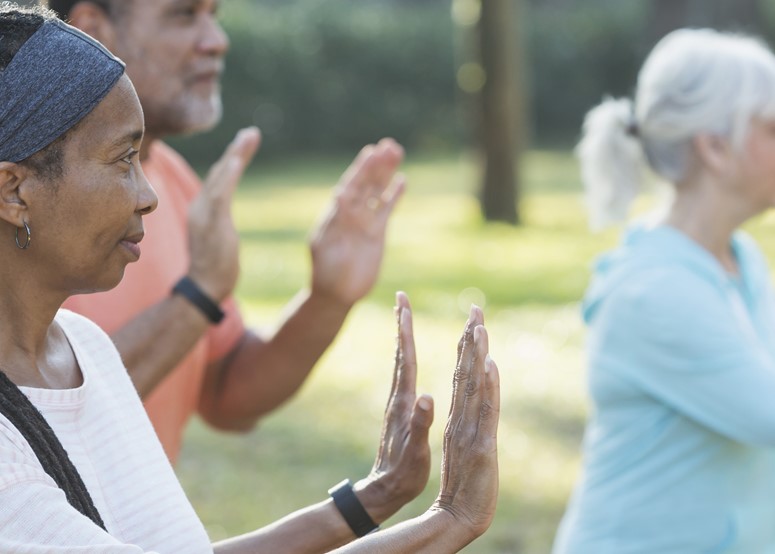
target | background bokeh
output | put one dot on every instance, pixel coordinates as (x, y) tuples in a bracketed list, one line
[(322, 78)]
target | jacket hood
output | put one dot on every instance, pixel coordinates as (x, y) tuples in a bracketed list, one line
[(644, 248)]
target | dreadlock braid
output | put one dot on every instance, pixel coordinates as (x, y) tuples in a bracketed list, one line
[(23, 415)]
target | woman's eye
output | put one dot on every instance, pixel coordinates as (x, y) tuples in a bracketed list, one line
[(129, 157), (189, 12)]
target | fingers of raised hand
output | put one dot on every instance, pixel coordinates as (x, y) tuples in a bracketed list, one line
[(491, 406), (474, 387), (384, 202), (398, 412), (483, 393), (469, 467), (225, 174), (405, 372), (466, 353), (369, 181)]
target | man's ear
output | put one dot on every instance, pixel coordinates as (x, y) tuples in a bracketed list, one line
[(94, 21), (714, 152), (13, 208)]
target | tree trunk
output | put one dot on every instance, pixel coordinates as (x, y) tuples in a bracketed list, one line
[(500, 102)]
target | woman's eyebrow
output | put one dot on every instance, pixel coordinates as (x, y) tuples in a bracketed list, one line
[(130, 137)]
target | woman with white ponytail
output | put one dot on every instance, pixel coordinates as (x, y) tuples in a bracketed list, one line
[(679, 450)]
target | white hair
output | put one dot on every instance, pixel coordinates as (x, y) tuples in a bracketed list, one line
[(694, 81)]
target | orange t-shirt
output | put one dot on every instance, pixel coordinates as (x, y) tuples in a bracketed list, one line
[(164, 260)]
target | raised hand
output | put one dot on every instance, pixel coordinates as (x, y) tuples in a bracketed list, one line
[(469, 467), (348, 243), (402, 466), (213, 238), (468, 494)]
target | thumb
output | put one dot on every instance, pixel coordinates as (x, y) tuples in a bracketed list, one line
[(245, 144), (226, 173), (422, 418)]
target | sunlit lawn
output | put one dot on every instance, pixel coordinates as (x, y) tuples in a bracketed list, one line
[(529, 281)]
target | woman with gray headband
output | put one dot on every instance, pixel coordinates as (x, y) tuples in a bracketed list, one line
[(678, 451), (80, 467)]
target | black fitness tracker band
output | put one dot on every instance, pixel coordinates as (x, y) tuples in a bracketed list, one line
[(189, 290), (351, 509)]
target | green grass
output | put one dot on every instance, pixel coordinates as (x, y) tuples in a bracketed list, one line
[(529, 281)]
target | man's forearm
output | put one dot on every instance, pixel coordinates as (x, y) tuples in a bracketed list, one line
[(156, 340), (261, 374)]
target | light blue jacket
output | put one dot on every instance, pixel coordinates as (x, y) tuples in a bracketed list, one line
[(678, 451)]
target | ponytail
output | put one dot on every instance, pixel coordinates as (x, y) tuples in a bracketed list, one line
[(611, 161)]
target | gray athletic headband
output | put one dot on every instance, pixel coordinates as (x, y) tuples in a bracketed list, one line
[(55, 79)]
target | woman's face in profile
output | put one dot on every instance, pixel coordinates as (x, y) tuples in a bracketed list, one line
[(757, 163), (86, 224)]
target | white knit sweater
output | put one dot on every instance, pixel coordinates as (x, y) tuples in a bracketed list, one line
[(104, 429)]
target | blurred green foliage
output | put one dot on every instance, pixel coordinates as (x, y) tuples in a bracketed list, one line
[(577, 53), (327, 76), (330, 76)]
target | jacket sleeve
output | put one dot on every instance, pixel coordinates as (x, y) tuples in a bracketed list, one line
[(693, 346)]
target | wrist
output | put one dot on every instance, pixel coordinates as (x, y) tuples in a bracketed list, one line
[(187, 288), (351, 509), (213, 286), (328, 302), (449, 526), (377, 499)]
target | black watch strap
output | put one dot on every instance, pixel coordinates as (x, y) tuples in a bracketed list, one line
[(189, 290), (351, 509)]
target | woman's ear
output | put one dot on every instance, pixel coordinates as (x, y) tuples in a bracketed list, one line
[(714, 152), (13, 208), (94, 21)]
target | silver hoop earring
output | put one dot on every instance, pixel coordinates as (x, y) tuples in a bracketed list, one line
[(26, 242)]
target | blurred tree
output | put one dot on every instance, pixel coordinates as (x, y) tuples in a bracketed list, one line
[(501, 100)]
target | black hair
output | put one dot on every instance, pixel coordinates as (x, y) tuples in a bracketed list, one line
[(17, 25)]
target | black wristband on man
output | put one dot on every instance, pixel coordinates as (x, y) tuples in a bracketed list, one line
[(351, 509), (191, 292)]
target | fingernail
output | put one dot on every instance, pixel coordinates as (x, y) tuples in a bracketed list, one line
[(488, 363), (424, 404), (477, 332), (472, 312), (404, 316)]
